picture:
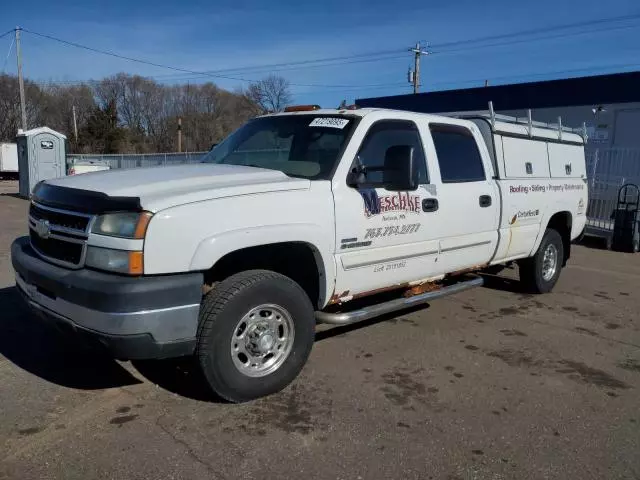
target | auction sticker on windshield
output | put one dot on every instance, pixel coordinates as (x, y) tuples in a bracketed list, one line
[(329, 122)]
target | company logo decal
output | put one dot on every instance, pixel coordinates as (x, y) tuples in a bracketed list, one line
[(396, 202), (524, 214)]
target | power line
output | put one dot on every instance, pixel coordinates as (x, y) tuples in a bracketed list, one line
[(527, 40), (4, 65), (183, 77), (480, 81), (124, 57), (7, 33), (383, 54), (160, 65), (301, 67), (306, 62), (347, 59), (535, 31)]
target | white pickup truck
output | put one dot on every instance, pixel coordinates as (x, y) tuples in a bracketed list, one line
[(294, 215)]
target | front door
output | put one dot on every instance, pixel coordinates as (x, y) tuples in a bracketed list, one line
[(384, 238)]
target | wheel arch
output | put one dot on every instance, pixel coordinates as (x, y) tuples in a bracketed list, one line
[(292, 251), (562, 222)]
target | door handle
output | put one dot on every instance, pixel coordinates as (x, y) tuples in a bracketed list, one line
[(485, 201), (430, 204)]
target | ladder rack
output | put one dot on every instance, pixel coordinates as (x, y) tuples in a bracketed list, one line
[(528, 122)]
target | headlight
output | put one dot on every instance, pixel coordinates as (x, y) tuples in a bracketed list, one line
[(119, 261), (124, 225)]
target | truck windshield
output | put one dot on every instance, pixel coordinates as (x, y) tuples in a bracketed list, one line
[(305, 146)]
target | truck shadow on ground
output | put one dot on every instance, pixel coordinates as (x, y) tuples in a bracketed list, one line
[(503, 284), (181, 376), (596, 243), (39, 349)]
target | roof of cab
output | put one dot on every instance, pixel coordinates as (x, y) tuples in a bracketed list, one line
[(362, 112)]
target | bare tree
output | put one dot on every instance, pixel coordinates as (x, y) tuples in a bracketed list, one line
[(271, 94), (127, 113)]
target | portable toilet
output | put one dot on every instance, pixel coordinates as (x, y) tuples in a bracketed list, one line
[(41, 155)]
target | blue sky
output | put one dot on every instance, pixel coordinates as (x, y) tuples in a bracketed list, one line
[(206, 36)]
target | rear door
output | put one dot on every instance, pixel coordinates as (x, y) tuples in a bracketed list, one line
[(468, 197)]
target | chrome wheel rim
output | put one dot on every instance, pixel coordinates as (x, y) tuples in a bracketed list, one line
[(549, 262), (262, 340)]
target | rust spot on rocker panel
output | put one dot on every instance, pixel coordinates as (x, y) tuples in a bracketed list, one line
[(336, 297), (410, 290), (422, 288)]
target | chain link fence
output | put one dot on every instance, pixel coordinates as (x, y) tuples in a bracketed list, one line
[(135, 160)]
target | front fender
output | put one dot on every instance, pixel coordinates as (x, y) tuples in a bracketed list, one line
[(212, 249)]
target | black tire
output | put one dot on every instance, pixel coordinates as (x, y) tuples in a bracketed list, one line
[(225, 306), (531, 269)]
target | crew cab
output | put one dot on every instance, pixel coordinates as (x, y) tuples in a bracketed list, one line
[(288, 220)]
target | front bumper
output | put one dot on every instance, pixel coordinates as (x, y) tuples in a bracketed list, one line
[(134, 317)]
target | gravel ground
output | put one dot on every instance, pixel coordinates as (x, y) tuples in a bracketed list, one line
[(492, 383)]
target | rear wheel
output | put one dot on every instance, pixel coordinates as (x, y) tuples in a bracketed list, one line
[(540, 273), (256, 332)]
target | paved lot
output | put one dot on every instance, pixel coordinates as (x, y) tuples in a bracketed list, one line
[(492, 383)]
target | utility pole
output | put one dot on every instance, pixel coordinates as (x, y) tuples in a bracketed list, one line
[(75, 123), (179, 134), (415, 76), (23, 107)]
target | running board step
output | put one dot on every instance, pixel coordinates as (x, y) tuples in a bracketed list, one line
[(345, 318)]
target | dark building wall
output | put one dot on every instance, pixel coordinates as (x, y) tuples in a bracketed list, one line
[(574, 99), (617, 125)]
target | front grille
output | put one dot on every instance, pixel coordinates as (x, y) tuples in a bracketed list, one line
[(63, 234), (61, 219), (57, 249)]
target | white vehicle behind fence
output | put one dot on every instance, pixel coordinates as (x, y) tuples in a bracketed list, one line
[(86, 166), (284, 223), (8, 160)]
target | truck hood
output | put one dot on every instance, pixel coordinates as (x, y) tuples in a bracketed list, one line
[(158, 188)]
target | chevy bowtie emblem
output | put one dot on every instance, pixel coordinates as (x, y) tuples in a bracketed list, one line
[(43, 229)]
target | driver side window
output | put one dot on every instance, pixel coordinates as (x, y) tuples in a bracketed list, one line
[(384, 135)]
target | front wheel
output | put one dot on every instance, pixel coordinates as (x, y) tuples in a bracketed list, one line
[(256, 332), (540, 273)]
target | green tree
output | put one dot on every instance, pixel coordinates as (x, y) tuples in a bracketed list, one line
[(102, 134)]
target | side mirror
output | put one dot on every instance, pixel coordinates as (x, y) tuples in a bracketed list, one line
[(399, 173)]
